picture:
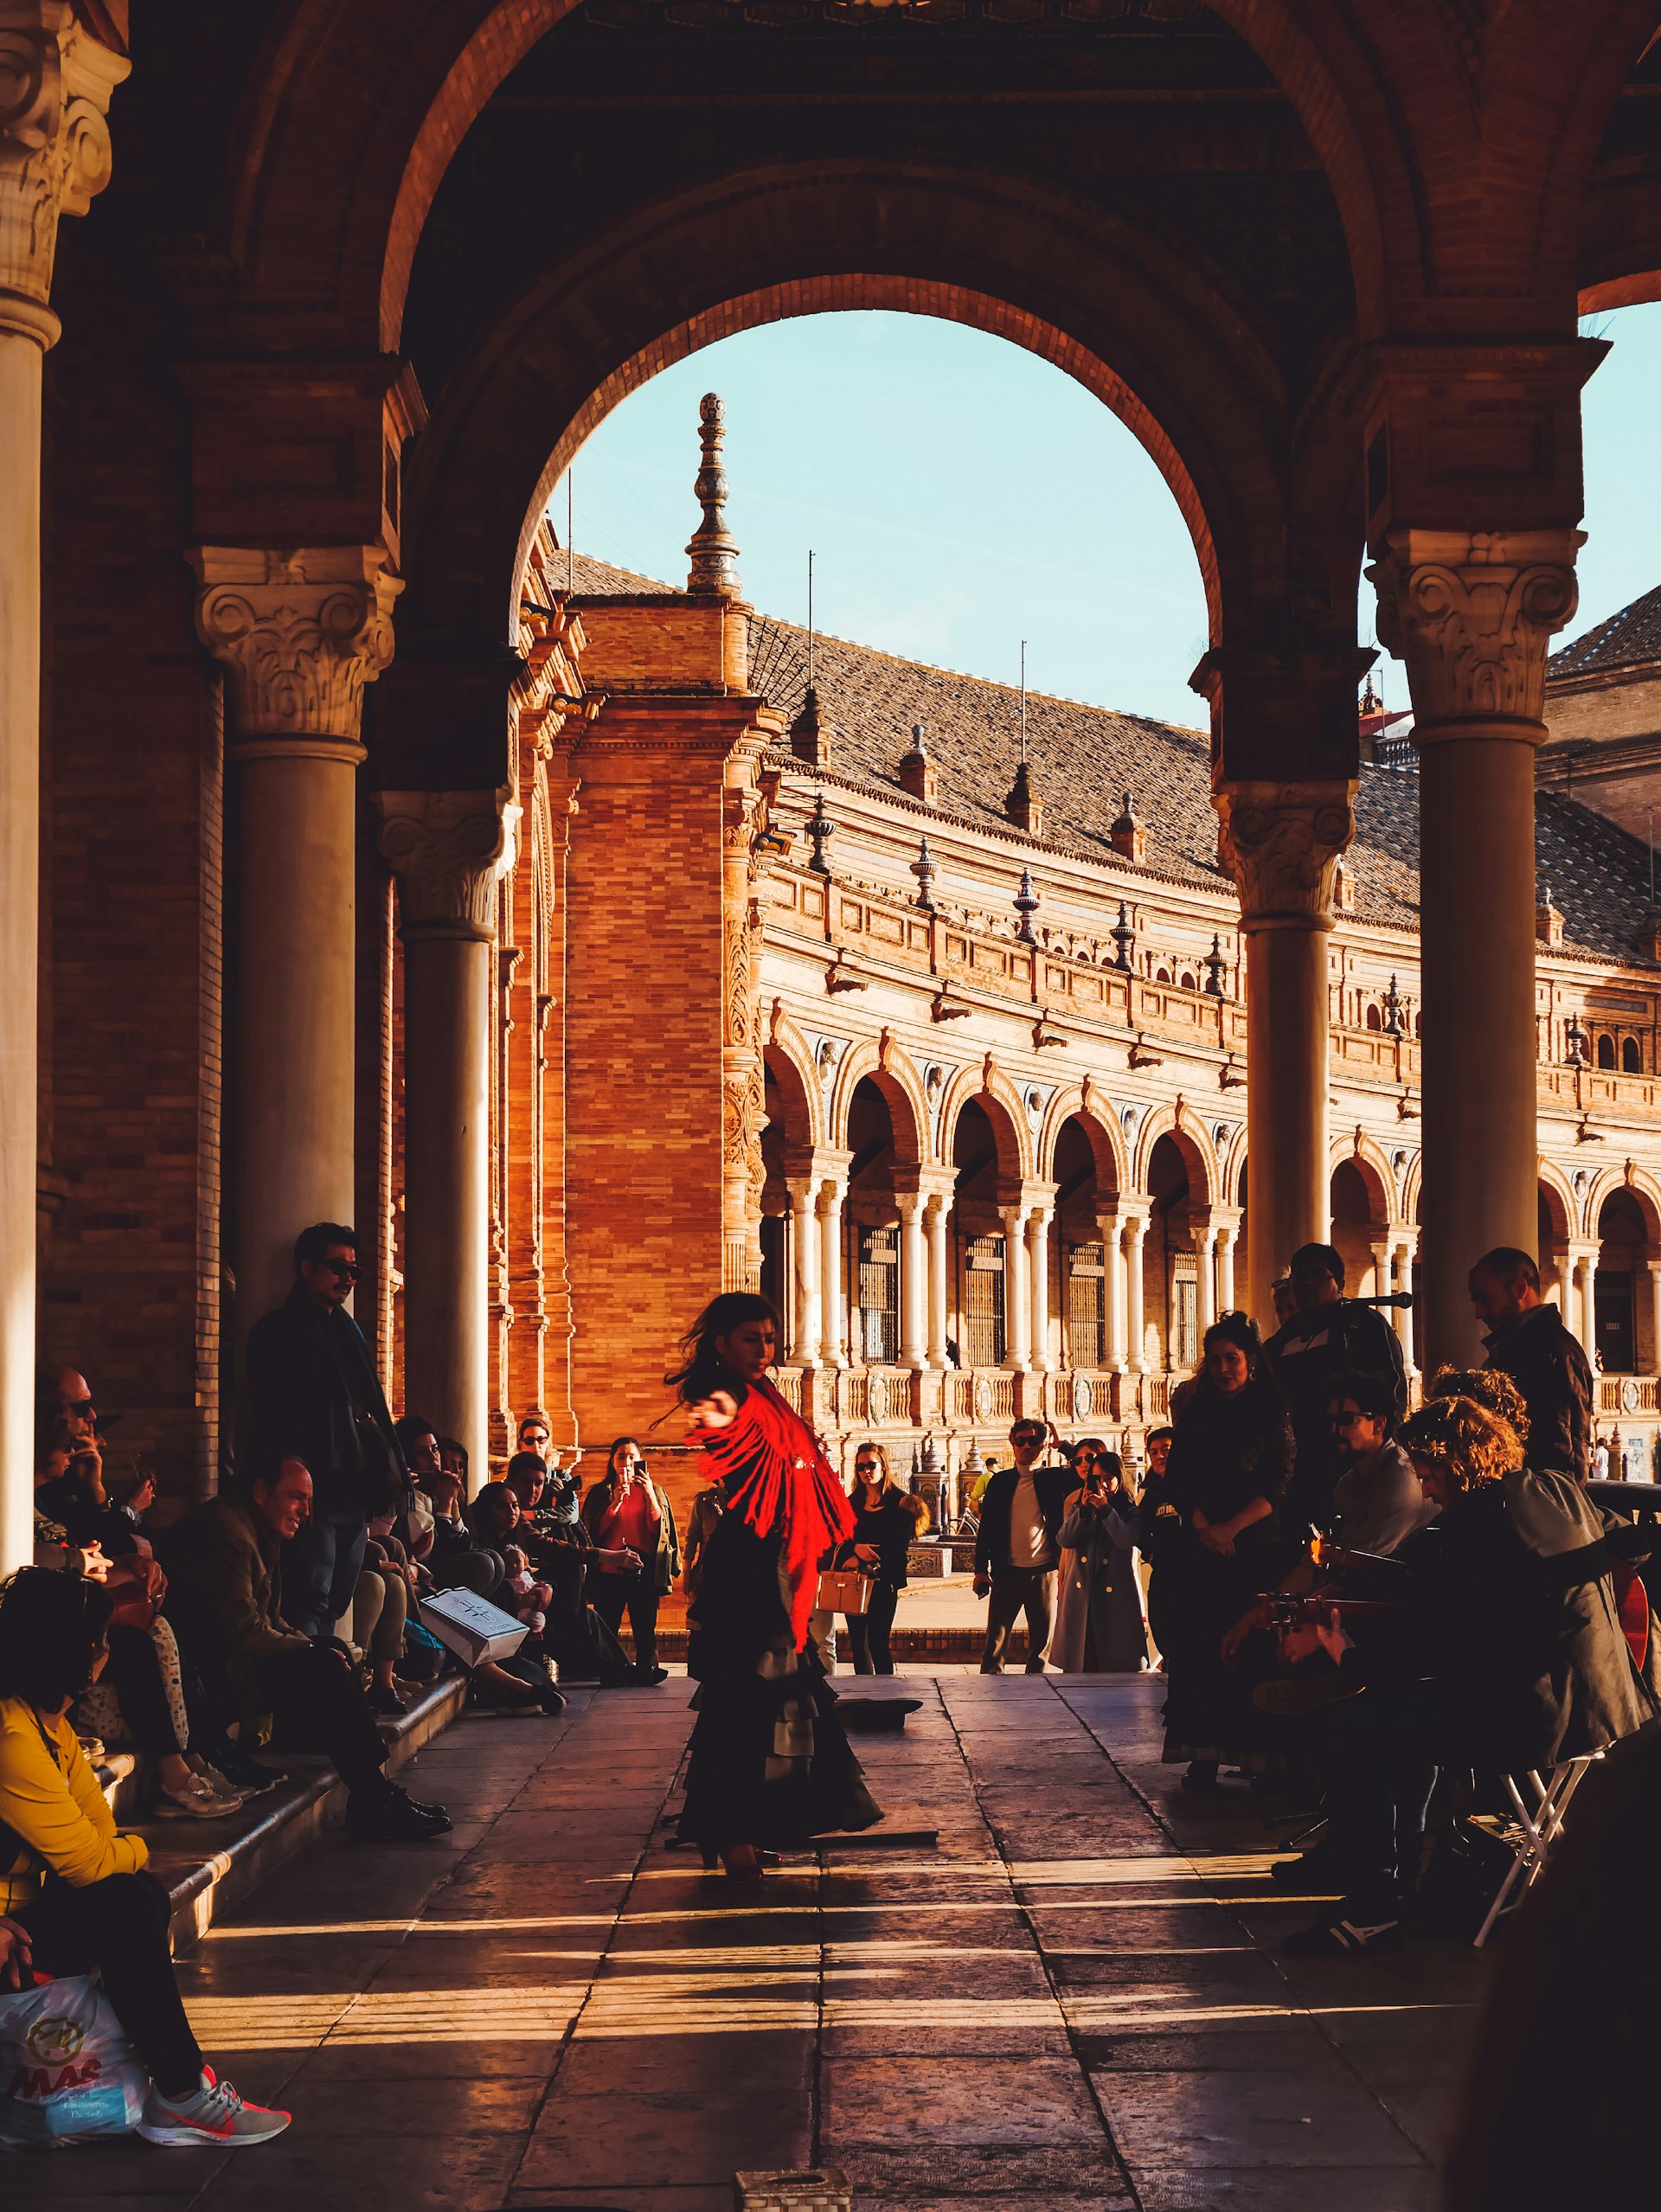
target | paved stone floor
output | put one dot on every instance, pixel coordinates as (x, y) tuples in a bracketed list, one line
[(1072, 2000)]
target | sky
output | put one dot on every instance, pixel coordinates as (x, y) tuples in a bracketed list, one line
[(960, 494)]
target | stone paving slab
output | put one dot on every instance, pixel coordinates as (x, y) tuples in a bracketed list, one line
[(1074, 1999)]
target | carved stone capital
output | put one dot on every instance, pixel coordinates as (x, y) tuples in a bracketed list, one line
[(448, 850), (301, 632), (55, 84), (1281, 842), (1472, 616)]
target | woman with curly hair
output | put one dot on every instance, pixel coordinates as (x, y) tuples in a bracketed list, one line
[(1230, 1463), (769, 1764)]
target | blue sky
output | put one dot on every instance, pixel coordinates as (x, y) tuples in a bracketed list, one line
[(959, 495)]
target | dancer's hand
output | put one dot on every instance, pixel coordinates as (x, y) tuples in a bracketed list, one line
[(14, 1954), (718, 1411)]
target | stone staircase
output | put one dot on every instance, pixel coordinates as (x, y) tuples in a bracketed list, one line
[(210, 1865)]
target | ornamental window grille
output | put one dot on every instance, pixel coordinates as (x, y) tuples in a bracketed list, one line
[(879, 1296), (982, 1301), (1087, 1307), (1185, 1321)]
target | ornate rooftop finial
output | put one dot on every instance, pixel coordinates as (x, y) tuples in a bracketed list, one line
[(712, 551), (1025, 903), (923, 869)]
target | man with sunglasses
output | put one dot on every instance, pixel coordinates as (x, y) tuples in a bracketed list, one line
[(313, 1395), (1018, 1547)]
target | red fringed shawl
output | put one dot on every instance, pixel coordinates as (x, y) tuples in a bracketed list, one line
[(775, 1476)]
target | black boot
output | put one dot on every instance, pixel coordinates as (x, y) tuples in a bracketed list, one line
[(389, 1815)]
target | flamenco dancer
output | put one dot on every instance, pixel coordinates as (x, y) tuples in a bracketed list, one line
[(769, 1766)]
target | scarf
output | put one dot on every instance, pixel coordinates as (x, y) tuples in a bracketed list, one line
[(773, 1474)]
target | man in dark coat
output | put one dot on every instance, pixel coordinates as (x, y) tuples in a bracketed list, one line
[(1018, 1547), (313, 1392), (1328, 1338), (1529, 1340)]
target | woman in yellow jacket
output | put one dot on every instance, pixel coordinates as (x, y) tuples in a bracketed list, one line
[(74, 1892)]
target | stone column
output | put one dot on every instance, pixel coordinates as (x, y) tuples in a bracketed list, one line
[(1038, 1261), (1017, 1293), (55, 85), (804, 1272), (913, 1280), (833, 1320), (938, 1225), (1281, 842), (1471, 615), (448, 850), (1227, 1234), (301, 634), (1112, 1230), (1205, 1256), (1401, 1279), (1582, 1313), (1135, 1230)]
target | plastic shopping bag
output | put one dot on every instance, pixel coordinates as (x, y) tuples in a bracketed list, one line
[(67, 2070)]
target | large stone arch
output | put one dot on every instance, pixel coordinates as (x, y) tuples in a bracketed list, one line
[(1101, 297), (1367, 1156), (1568, 1219), (988, 1087), (790, 1058), (887, 1066), (1100, 1125), (1639, 1185), (1199, 1156)]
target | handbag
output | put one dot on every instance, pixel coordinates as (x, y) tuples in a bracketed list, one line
[(844, 1593)]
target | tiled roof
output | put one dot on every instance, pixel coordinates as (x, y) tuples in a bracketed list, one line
[(1085, 759), (1625, 640)]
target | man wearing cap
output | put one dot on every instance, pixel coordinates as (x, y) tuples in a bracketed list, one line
[(1328, 1337)]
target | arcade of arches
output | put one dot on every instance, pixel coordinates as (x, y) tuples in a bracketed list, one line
[(338, 832)]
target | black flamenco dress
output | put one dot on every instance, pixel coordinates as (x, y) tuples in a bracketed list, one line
[(1226, 1451), (769, 1763)]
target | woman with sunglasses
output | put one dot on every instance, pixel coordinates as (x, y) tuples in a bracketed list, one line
[(1099, 1623), (886, 1522)]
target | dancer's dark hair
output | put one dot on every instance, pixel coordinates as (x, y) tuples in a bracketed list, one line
[(702, 1369)]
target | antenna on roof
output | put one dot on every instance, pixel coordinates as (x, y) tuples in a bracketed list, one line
[(570, 544), (1023, 698), (810, 617)]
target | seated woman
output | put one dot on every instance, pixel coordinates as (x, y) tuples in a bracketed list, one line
[(77, 1887), (769, 1764)]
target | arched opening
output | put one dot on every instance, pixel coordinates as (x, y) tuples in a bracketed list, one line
[(984, 1154), (1552, 1250), (787, 1142), (872, 1230), (1605, 1050), (1081, 1249), (1358, 1220), (1624, 1249), (1171, 1273), (1632, 1056)]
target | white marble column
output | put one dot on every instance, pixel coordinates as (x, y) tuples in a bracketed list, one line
[(301, 634), (1401, 1279), (1113, 1269), (804, 1273), (448, 850), (833, 1315), (55, 84), (1584, 1323), (913, 1280), (1205, 1257), (1227, 1236), (938, 1225), (1038, 1262), (1018, 1294), (1135, 1230)]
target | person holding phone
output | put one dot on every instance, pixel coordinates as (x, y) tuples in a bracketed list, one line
[(632, 1524), (886, 1522), (1099, 1623)]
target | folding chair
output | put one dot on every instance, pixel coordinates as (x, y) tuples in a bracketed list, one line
[(1539, 1830)]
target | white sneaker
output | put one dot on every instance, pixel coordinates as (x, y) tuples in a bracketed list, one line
[(210, 1778), (214, 2114), (193, 1800)]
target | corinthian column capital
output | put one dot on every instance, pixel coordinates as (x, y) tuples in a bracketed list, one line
[(301, 633), (55, 84), (1281, 842), (1471, 614), (448, 850)]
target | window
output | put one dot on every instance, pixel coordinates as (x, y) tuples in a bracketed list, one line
[(879, 1296), (982, 1301), (773, 1276), (1605, 1050), (1612, 1311), (1631, 1058), (1374, 1019), (1087, 1307), (1164, 975), (1185, 1322), (1189, 983)]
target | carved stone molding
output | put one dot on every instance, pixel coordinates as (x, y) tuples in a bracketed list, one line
[(301, 633), (55, 84), (448, 848), (1281, 842), (1472, 615)]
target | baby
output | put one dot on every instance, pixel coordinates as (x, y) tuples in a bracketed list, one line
[(534, 1598)]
